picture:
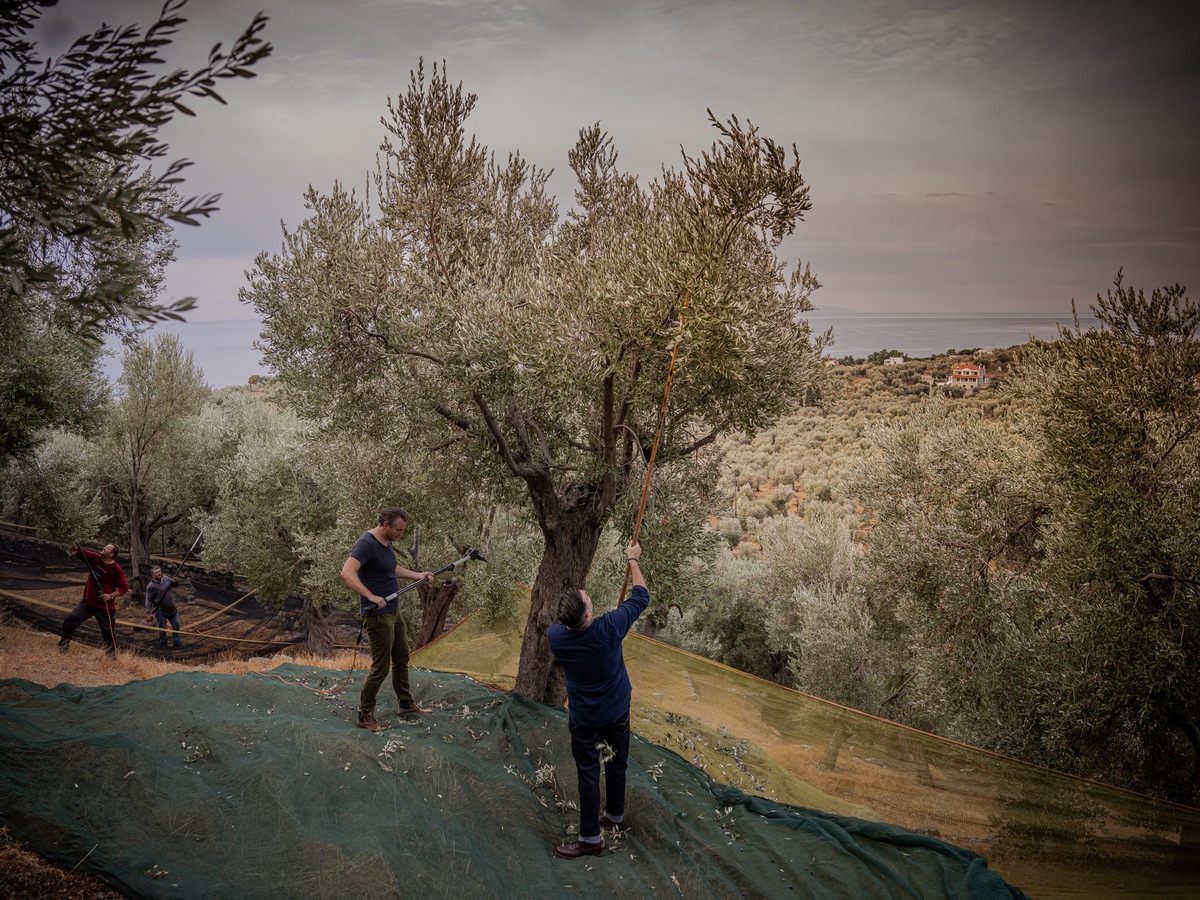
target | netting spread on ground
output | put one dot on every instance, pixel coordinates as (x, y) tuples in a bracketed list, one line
[(205, 785), (1050, 834)]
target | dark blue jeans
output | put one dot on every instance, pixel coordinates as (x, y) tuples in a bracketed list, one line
[(593, 747), (163, 617)]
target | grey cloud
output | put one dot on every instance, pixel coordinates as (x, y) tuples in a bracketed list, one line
[(978, 153)]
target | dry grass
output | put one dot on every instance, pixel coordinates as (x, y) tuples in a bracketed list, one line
[(32, 655), (26, 876)]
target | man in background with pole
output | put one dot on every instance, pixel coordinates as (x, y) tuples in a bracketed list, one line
[(371, 572), (160, 604), (105, 583), (598, 693)]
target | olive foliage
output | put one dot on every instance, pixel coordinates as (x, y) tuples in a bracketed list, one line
[(1116, 419), (85, 224), (959, 507), (463, 314), (76, 136)]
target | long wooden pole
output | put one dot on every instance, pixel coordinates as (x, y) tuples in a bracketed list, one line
[(662, 417)]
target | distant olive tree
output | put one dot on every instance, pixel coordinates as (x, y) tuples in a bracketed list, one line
[(818, 621), (55, 487), (958, 506), (265, 494), (148, 444), (290, 501)]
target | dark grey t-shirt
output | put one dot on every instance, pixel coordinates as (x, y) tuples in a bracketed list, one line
[(377, 572)]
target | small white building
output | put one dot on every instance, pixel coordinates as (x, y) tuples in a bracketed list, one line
[(894, 361)]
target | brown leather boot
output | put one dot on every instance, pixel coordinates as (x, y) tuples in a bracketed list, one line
[(367, 720), (576, 849)]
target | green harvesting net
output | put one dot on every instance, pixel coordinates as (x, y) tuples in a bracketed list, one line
[(1048, 833), (203, 785)]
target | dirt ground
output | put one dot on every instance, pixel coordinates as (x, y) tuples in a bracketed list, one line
[(26, 876), (28, 653)]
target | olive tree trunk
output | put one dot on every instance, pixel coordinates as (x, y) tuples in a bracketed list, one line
[(318, 623), (435, 604), (571, 526)]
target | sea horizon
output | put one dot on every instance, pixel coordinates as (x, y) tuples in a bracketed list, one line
[(224, 349), (921, 335)]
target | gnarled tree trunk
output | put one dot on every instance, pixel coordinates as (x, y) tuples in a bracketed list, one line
[(435, 603), (141, 527), (571, 525), (139, 540), (654, 620), (319, 625)]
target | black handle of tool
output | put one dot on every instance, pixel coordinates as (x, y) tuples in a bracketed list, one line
[(472, 553), (87, 562), (187, 555)]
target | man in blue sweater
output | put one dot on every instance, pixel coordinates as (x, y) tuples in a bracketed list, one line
[(598, 692)]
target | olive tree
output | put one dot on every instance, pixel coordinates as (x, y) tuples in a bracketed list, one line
[(817, 620), (1115, 413), (531, 350), (148, 446), (264, 493), (290, 501), (54, 488), (951, 577)]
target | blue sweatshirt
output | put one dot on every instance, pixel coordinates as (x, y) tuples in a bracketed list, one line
[(598, 687)]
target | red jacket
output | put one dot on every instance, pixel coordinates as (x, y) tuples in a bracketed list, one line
[(112, 579)]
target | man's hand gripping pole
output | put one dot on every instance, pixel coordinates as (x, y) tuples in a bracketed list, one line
[(472, 554)]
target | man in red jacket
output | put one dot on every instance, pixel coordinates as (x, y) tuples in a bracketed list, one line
[(105, 583)]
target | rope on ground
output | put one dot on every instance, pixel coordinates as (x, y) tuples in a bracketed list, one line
[(22, 598), (226, 609), (327, 692)]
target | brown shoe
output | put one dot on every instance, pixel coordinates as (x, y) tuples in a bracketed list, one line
[(606, 822), (576, 849), (367, 720), (411, 708)]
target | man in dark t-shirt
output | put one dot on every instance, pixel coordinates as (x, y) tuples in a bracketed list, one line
[(598, 693), (371, 572)]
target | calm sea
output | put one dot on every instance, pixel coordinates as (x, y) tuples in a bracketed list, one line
[(224, 349), (921, 335)]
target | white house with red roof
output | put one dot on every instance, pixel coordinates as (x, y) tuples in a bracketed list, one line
[(967, 375)]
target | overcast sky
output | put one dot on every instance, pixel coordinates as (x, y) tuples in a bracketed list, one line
[(975, 157)]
